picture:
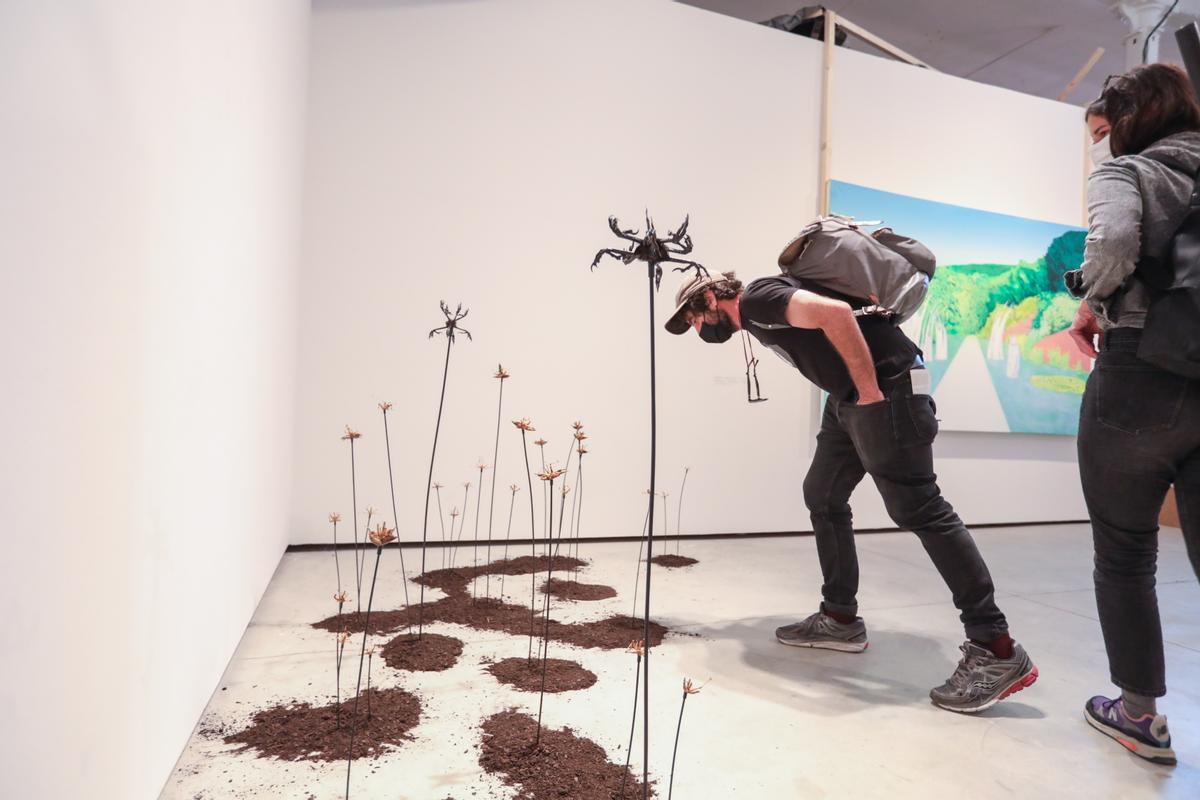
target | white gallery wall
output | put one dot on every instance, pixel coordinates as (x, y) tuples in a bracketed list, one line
[(149, 223), (472, 151)]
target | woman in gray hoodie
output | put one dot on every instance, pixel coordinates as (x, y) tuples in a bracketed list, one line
[(1139, 428)]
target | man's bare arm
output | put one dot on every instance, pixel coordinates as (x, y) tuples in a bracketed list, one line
[(836, 320)]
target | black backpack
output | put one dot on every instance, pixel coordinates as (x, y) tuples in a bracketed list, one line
[(1171, 338)]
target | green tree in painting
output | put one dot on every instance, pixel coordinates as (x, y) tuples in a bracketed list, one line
[(1064, 254)]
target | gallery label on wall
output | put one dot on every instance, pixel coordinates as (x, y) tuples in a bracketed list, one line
[(994, 325)]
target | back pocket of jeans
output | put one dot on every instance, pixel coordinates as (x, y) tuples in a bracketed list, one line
[(1138, 400)]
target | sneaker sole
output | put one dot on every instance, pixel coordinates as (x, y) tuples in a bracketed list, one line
[(1156, 755), (841, 647), (1023, 682)]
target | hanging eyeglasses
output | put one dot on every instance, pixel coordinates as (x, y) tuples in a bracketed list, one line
[(751, 370)]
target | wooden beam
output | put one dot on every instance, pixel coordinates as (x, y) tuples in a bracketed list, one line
[(823, 171), (1083, 73), (881, 45)]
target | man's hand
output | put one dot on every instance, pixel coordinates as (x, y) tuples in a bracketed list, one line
[(868, 399), (1084, 330)]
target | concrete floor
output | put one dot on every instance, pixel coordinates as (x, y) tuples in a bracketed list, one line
[(774, 722)]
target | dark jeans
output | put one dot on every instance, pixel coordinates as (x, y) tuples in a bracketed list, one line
[(892, 441), (1139, 432)]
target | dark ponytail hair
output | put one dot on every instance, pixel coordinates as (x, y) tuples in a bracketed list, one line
[(1146, 104)]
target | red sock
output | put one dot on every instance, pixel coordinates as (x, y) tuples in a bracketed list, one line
[(1001, 647), (845, 619)]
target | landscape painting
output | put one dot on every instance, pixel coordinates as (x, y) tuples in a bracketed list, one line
[(994, 325)]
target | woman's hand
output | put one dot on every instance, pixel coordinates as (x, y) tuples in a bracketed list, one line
[(1084, 330)]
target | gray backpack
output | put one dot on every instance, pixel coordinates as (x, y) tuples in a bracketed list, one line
[(887, 271)]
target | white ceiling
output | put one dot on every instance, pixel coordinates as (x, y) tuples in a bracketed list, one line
[(1032, 46)]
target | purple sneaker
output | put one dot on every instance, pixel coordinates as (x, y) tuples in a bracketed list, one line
[(1146, 736)]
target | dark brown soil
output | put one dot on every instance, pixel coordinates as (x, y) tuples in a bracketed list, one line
[(562, 765), (431, 653), (673, 561), (301, 731), (612, 633), (573, 590), (526, 675)]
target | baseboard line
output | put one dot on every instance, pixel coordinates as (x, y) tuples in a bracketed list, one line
[(303, 548)]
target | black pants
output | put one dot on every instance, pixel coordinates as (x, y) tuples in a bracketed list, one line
[(1139, 432), (893, 442)]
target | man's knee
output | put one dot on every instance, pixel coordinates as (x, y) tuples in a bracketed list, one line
[(821, 503)]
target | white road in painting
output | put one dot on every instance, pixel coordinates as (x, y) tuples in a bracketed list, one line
[(966, 398)]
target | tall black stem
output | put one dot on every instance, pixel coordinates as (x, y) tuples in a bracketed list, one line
[(679, 512), (337, 562), (442, 523), (354, 499), (649, 550), (507, 534), (637, 571), (461, 525), (532, 547), (429, 487), (678, 726), (392, 484), (666, 524), (358, 683), (546, 616), (475, 547), (577, 511), (637, 673), (487, 592)]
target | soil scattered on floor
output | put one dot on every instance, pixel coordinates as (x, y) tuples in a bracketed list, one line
[(573, 590), (562, 765), (313, 733), (526, 675), (431, 653), (673, 561), (490, 614)]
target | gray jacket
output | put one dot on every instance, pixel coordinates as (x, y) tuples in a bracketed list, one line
[(1135, 205)]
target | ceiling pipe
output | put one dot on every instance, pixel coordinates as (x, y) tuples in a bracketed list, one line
[(1141, 44)]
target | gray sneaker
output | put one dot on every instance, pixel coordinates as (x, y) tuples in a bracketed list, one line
[(825, 633), (981, 679)]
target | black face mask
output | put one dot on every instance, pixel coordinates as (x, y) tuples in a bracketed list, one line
[(716, 334)]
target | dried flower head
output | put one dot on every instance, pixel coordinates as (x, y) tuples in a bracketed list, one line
[(691, 688), (501, 372), (385, 406), (343, 637), (350, 434), (481, 466), (382, 535), (540, 442), (577, 425), (341, 598), (467, 485), (454, 512), (370, 511), (566, 489), (582, 450), (637, 647), (514, 488), (370, 651), (335, 518), (552, 473), (580, 436), (523, 424), (664, 494)]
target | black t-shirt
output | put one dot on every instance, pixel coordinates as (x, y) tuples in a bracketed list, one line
[(764, 315)]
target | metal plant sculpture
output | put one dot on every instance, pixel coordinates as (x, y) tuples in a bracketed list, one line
[(501, 375), (512, 501), (679, 513), (689, 688), (385, 407), (350, 436), (450, 329), (550, 475), (653, 251), (380, 537), (478, 501), (637, 649), (524, 426)]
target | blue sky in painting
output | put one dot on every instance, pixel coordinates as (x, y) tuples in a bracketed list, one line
[(955, 234)]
